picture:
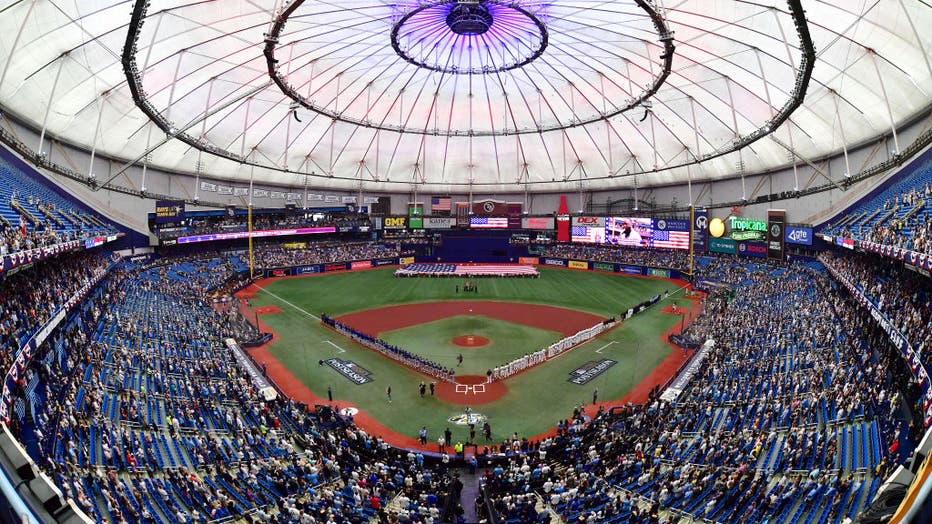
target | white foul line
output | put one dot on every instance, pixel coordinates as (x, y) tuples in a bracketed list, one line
[(605, 346), (334, 345), (290, 304)]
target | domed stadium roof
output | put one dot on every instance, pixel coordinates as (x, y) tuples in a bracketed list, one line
[(499, 95)]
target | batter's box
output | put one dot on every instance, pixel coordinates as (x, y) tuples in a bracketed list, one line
[(466, 389)]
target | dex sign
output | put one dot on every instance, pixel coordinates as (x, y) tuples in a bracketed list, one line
[(589, 221)]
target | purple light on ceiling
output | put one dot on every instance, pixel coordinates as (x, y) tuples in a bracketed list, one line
[(471, 38)]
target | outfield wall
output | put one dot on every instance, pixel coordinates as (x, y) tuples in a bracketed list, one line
[(609, 267)]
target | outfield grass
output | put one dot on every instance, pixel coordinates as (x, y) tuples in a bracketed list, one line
[(535, 400), (434, 340)]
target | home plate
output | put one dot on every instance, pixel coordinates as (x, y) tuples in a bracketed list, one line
[(466, 389)]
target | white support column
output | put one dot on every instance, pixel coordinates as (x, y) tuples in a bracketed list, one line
[(171, 91), (841, 128), (789, 131), (635, 192), (252, 172), (199, 167), (734, 121), (886, 99), (19, 34), (653, 138), (306, 175), (100, 112), (696, 153), (689, 179), (147, 158), (48, 108)]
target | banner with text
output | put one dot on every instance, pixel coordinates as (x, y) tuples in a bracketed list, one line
[(776, 223)]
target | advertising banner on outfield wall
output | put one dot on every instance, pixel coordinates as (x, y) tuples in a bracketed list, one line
[(383, 262), (662, 273), (529, 260), (603, 266), (278, 272), (395, 222), (554, 262), (589, 221), (578, 264), (722, 245), (308, 270), (799, 235), (632, 270), (700, 229), (776, 223), (406, 260), (439, 222), (752, 249), (168, 211), (538, 223), (362, 264), (335, 267)]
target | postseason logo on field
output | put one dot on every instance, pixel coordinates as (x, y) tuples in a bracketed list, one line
[(590, 370), (351, 370)]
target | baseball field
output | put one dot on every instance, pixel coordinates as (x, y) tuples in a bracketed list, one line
[(469, 333)]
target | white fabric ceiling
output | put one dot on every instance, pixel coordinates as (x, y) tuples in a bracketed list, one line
[(734, 67)]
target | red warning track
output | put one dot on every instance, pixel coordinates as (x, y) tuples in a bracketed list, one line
[(295, 389), (562, 320)]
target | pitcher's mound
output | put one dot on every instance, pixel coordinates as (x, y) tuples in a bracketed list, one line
[(471, 341)]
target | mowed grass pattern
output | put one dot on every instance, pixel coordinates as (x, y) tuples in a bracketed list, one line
[(535, 400)]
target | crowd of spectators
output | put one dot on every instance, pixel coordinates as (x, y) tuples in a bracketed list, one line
[(904, 296), (762, 432), (29, 298), (322, 252), (147, 416), (20, 237), (908, 227), (31, 232), (665, 258), (203, 225), (194, 275)]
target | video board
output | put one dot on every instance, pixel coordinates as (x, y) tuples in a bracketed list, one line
[(665, 233)]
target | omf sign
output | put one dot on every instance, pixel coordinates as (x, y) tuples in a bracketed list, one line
[(395, 222)]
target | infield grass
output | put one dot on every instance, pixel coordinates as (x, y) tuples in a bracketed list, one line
[(535, 400), (434, 340)]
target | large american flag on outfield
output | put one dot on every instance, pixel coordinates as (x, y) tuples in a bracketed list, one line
[(670, 239), (440, 203), (488, 223), (588, 234), (466, 269)]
